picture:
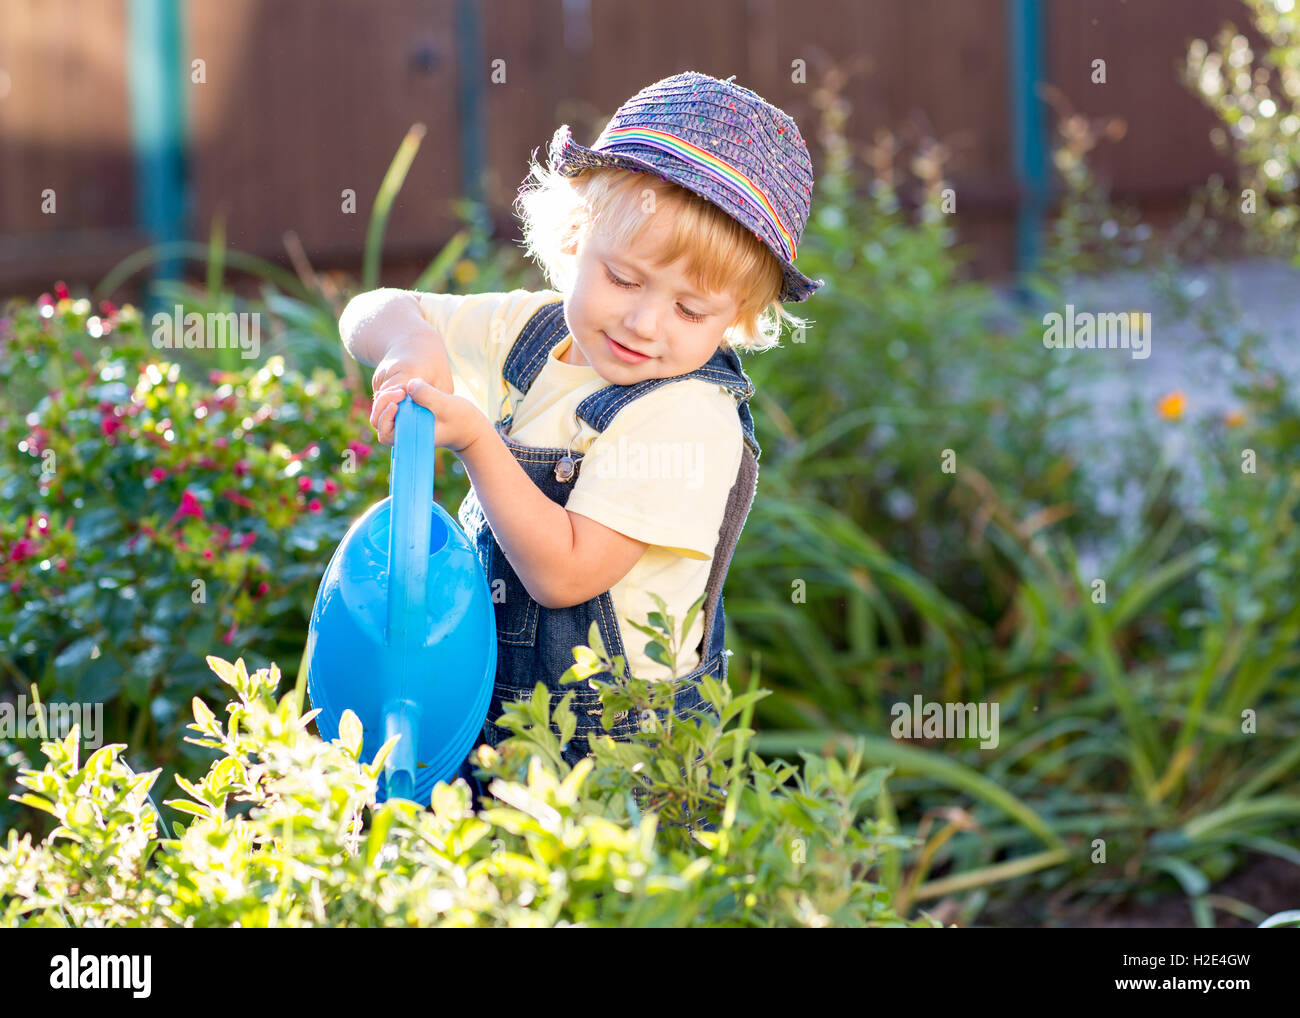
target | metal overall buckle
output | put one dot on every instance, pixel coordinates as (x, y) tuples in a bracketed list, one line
[(566, 465)]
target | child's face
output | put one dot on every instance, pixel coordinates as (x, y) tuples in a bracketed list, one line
[(620, 295)]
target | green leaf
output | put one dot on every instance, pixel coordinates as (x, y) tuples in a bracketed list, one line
[(350, 733), (656, 652), (36, 802), (379, 827)]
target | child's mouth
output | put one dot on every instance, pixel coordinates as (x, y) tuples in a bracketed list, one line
[(623, 353)]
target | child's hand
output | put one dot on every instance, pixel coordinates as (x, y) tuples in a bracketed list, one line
[(416, 356), (457, 421)]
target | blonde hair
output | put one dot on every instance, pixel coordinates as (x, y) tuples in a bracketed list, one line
[(722, 256)]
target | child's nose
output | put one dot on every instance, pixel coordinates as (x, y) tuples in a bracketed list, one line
[(642, 321)]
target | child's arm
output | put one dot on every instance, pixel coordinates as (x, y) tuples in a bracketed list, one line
[(385, 327), (561, 558)]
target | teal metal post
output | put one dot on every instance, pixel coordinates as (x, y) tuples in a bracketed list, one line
[(1029, 148), (158, 80)]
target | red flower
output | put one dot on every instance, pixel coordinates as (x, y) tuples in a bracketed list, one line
[(314, 506), (109, 425), (189, 506), (230, 633), (22, 549), (208, 554), (304, 484), (262, 588), (241, 468), (360, 448), (330, 487), (108, 308), (61, 290), (158, 474)]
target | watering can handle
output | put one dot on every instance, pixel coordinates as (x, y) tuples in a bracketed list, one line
[(410, 519)]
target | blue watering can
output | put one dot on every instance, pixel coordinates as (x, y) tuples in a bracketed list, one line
[(403, 631)]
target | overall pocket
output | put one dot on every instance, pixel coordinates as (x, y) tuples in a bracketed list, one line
[(516, 611)]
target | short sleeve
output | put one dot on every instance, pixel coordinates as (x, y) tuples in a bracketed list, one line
[(478, 331), (663, 470)]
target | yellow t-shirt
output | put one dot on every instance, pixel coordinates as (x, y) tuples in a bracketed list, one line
[(672, 496)]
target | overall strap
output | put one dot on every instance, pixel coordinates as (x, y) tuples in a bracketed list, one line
[(723, 368), (540, 333), (547, 327)]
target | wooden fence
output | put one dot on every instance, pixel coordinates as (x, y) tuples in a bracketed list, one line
[(302, 99)]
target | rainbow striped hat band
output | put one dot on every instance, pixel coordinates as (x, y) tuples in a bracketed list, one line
[(724, 143)]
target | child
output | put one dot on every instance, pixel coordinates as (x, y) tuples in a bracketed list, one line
[(605, 425)]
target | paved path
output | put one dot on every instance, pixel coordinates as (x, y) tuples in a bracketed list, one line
[(1258, 296)]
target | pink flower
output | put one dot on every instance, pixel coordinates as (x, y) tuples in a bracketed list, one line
[(44, 299), (360, 448), (304, 484), (61, 290), (208, 554), (314, 506), (221, 442), (61, 565), (158, 474), (247, 541), (262, 588), (109, 425), (230, 633), (189, 506), (22, 549), (108, 308), (330, 487), (241, 468), (237, 498)]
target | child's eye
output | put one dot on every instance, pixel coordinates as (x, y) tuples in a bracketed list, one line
[(687, 313), (619, 282)]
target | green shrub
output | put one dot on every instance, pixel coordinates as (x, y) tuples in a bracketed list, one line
[(149, 517), (285, 830)]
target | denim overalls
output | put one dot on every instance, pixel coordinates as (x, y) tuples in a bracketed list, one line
[(535, 643)]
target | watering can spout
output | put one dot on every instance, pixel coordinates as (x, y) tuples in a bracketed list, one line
[(401, 717)]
